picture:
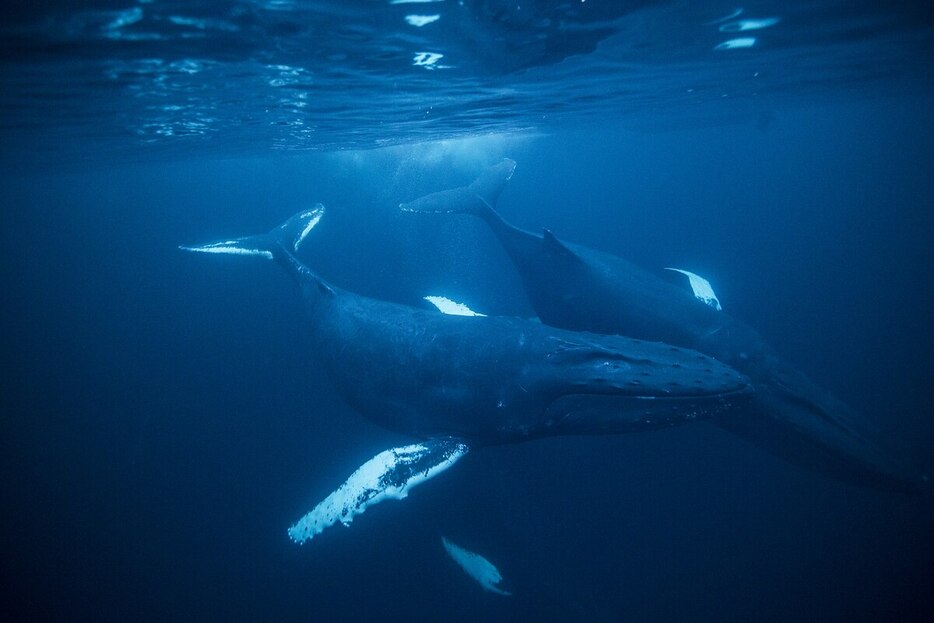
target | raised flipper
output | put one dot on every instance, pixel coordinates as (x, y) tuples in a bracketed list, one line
[(387, 476), (476, 566), (452, 308), (701, 287), (479, 196)]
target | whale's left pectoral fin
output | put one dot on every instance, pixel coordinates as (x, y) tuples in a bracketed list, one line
[(702, 289), (389, 475)]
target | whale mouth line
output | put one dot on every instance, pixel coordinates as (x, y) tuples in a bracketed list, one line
[(678, 394), (674, 397), (632, 405), (727, 393)]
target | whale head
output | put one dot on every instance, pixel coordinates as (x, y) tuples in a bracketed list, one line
[(600, 384)]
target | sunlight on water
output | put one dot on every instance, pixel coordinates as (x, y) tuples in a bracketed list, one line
[(295, 76)]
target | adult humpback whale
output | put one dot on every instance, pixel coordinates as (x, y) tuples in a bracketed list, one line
[(459, 382), (574, 287)]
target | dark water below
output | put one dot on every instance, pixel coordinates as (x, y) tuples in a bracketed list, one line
[(163, 422)]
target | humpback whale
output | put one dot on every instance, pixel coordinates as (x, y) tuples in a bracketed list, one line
[(574, 287), (461, 382)]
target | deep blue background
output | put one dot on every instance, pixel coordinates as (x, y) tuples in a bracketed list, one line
[(163, 422)]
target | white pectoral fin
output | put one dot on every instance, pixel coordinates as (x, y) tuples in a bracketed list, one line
[(701, 287), (387, 476), (476, 566), (452, 308)]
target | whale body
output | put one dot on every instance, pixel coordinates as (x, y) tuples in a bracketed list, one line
[(574, 287), (459, 382)]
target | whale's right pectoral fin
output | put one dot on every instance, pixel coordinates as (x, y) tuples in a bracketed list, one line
[(387, 476)]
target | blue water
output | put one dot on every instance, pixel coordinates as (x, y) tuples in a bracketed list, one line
[(163, 421)]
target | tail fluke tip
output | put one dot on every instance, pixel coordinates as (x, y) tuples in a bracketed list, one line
[(228, 247)]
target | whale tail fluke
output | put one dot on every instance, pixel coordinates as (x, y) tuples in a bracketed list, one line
[(286, 238), (477, 199), (281, 244)]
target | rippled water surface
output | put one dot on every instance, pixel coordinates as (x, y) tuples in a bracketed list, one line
[(291, 75)]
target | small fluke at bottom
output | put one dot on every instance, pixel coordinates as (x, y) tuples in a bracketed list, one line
[(476, 566)]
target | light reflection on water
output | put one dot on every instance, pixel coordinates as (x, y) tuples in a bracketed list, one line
[(336, 74)]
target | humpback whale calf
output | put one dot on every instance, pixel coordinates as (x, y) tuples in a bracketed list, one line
[(577, 288), (459, 382)]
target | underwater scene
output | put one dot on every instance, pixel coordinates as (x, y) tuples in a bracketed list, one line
[(467, 310)]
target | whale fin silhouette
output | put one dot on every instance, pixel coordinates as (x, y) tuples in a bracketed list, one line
[(387, 476), (477, 198), (281, 244), (288, 235)]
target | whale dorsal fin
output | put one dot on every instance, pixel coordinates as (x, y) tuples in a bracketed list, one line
[(553, 245)]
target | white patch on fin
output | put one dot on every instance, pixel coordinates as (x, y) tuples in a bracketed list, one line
[(476, 566), (313, 217), (387, 476), (701, 287), (452, 308), (228, 247), (311, 225)]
